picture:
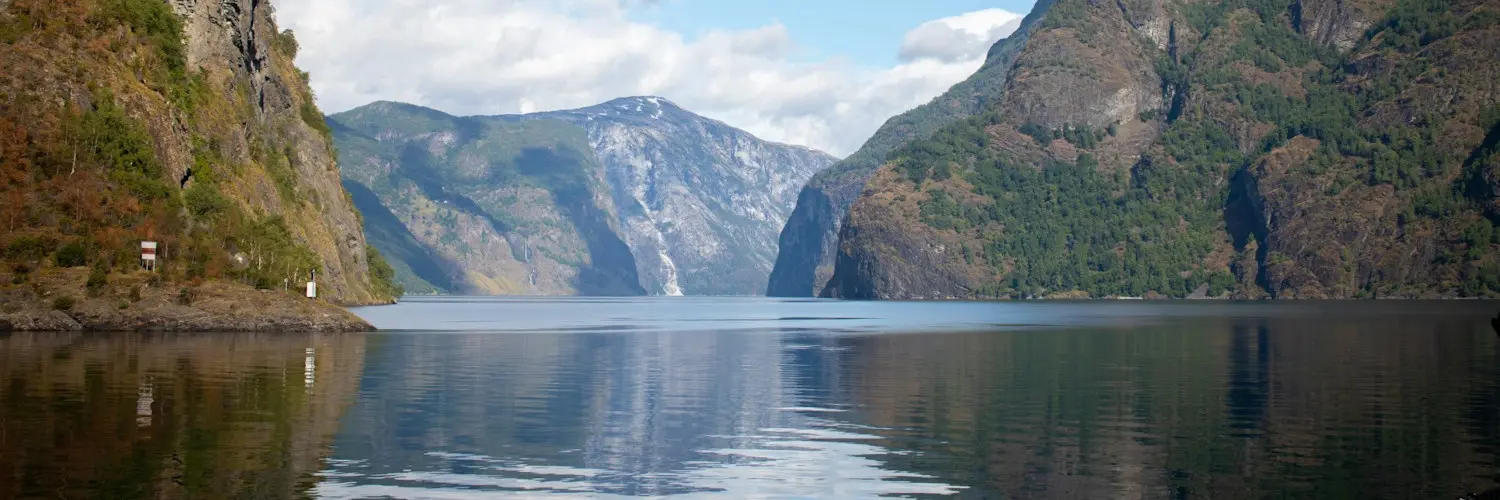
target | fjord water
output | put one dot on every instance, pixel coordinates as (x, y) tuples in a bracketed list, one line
[(736, 398)]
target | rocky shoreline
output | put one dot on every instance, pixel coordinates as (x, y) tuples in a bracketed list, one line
[(61, 300)]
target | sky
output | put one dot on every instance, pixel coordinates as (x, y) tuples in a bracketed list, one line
[(817, 73)]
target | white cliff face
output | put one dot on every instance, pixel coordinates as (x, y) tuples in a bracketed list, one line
[(700, 203)]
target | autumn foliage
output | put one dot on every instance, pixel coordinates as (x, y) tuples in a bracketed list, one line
[(81, 168)]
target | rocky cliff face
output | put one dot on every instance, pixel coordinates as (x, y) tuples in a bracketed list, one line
[(809, 241), (700, 202), (241, 36), (1339, 24), (484, 206), (1240, 148), (181, 121), (657, 199)]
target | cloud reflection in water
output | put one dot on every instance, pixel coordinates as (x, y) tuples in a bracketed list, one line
[(815, 461)]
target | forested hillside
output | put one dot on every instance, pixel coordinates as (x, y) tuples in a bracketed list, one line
[(185, 123), (1247, 148), (808, 243)]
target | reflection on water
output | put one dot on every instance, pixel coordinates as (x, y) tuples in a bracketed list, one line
[(1325, 401), (1137, 401), (125, 416), (641, 414)]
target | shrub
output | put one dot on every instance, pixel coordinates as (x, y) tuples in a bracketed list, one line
[(205, 203), (98, 278), (121, 145), (135, 293), (283, 172), (71, 255), (382, 277), (155, 21), (64, 303), (314, 119), (30, 248), (14, 27), (186, 296), (274, 254), (1040, 135), (941, 211), (286, 41)]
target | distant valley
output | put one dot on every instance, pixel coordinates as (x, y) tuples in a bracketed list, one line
[(630, 197)]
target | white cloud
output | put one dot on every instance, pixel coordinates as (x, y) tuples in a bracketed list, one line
[(959, 38), (471, 57)]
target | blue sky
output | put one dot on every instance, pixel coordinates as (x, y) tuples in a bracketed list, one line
[(819, 73), (868, 32)]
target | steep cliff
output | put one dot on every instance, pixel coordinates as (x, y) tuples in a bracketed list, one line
[(1243, 148), (809, 241), (675, 203), (701, 202), (183, 122), (484, 206)]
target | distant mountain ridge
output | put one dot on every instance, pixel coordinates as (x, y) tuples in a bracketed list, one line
[(662, 200), (702, 202)]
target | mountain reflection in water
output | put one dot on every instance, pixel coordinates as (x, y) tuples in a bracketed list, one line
[(652, 397)]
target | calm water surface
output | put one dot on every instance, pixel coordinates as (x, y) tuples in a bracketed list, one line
[(737, 398)]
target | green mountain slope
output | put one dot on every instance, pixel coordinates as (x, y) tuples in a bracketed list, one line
[(480, 206), (807, 245), (1243, 148)]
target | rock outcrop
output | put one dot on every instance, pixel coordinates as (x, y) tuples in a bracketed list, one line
[(808, 243), (1222, 149), (240, 39)]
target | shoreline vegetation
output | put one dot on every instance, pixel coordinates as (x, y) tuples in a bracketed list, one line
[(186, 124), (66, 299)]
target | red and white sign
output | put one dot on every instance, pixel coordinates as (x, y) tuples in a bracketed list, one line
[(148, 250)]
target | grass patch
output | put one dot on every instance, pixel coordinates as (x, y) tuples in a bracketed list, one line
[(314, 119), (382, 276)]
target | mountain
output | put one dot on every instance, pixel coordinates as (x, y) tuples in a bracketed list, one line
[(1246, 148), (183, 122), (483, 206), (633, 196), (809, 241), (701, 202)]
